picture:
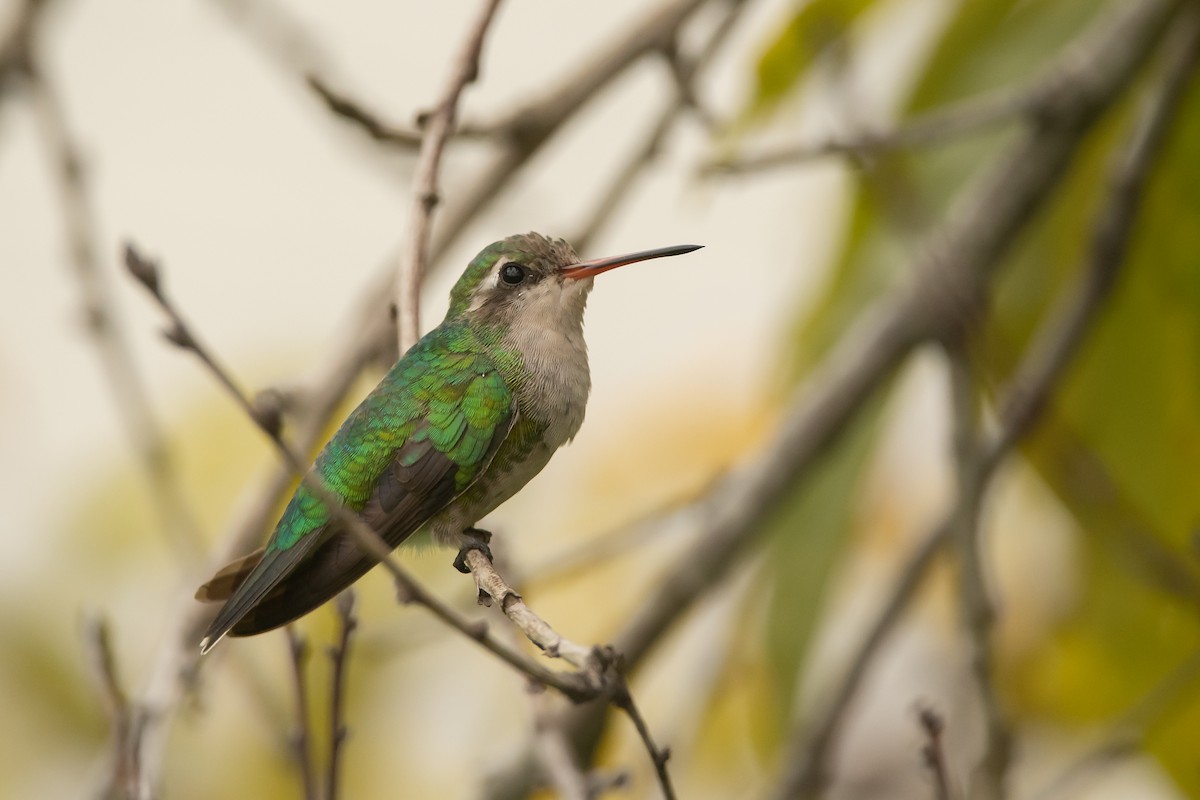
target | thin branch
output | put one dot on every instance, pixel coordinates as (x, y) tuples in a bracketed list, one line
[(301, 739), (976, 606), (933, 753), (684, 72), (339, 655), (659, 756), (353, 111), (438, 125), (576, 685), (123, 718)]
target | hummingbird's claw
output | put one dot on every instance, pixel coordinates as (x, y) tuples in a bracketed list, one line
[(472, 539)]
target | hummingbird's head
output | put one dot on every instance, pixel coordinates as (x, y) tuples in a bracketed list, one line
[(533, 276)]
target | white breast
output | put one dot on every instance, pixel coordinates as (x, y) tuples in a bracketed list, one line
[(558, 380)]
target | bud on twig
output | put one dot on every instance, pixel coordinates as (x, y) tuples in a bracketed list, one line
[(141, 268)]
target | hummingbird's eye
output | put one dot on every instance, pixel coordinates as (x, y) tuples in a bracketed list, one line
[(512, 273)]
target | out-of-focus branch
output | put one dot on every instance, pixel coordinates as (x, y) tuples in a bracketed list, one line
[(301, 738), (16, 50), (438, 124), (954, 121), (278, 34), (124, 719), (684, 71), (339, 654), (977, 609), (1035, 379), (556, 758), (933, 753)]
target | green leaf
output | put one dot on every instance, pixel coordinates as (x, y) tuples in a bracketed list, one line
[(814, 28)]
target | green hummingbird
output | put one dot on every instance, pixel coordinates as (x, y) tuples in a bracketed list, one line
[(457, 426)]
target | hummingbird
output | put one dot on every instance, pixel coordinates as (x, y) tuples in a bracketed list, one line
[(459, 424)]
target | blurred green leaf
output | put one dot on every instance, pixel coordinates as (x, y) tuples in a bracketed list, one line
[(809, 534), (812, 30)]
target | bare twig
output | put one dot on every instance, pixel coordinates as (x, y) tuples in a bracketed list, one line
[(351, 110), (124, 719), (438, 125), (301, 738), (684, 71), (659, 756), (932, 752), (977, 608), (339, 656)]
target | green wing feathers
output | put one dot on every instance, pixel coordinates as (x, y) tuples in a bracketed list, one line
[(416, 442)]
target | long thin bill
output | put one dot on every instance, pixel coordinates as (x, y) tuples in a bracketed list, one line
[(586, 269)]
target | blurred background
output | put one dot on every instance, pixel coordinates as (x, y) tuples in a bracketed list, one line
[(845, 163)]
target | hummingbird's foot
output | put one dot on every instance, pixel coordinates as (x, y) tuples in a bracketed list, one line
[(472, 539)]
